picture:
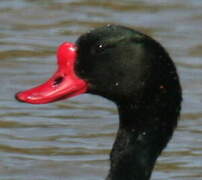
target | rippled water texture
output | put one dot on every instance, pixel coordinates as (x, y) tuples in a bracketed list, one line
[(71, 139)]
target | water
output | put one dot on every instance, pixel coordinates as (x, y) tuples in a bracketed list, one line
[(71, 139)]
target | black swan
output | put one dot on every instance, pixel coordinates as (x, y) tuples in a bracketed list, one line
[(132, 70)]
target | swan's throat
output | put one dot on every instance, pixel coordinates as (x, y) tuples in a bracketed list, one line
[(140, 140)]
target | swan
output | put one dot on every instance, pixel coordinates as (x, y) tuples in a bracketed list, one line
[(137, 74)]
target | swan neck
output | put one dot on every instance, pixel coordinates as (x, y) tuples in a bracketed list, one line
[(137, 145)]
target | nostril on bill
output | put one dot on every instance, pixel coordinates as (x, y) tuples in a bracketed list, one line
[(58, 80)]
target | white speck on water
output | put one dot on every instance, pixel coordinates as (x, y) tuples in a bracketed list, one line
[(116, 84)]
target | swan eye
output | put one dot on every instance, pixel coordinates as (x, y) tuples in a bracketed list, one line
[(98, 49), (101, 48)]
